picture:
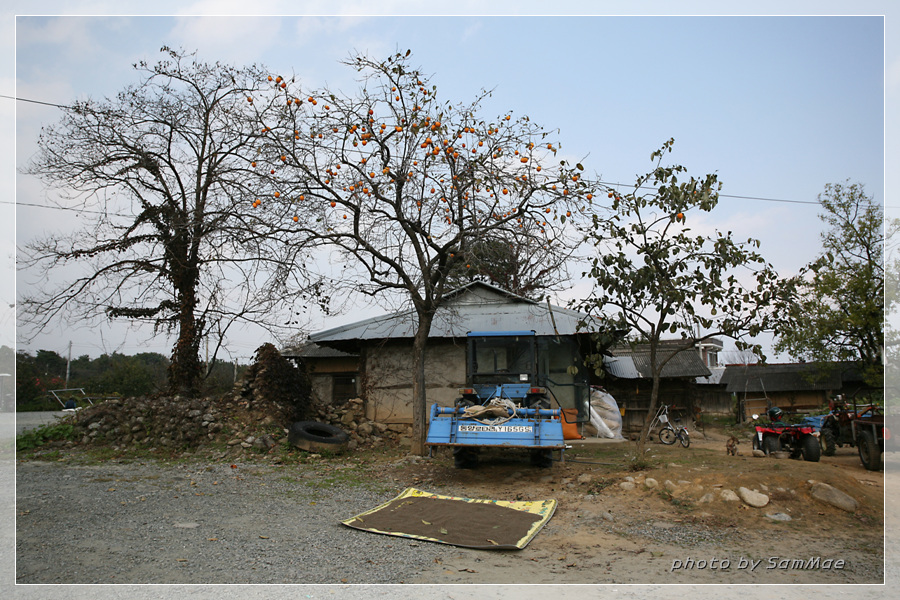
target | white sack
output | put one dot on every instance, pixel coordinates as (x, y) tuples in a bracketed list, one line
[(602, 429), (607, 411)]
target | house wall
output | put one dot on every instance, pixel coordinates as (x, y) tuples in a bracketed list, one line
[(787, 401), (388, 378), (714, 400), (322, 372)]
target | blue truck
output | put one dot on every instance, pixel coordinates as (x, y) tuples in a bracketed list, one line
[(521, 389)]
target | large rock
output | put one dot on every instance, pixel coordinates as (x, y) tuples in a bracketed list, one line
[(728, 496), (752, 497), (833, 496)]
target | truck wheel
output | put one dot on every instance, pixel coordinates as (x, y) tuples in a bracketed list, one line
[(465, 458), (828, 441), (542, 458), (810, 448), (869, 452), (770, 444), (313, 436)]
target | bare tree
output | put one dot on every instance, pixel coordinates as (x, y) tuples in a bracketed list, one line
[(159, 174), (403, 184), (517, 261)]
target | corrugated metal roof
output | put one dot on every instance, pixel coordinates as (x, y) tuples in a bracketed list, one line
[(715, 376), (621, 367), (686, 363), (783, 377), (475, 307), (315, 351)]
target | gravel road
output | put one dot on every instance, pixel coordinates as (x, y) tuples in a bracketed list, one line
[(201, 523), (124, 524)]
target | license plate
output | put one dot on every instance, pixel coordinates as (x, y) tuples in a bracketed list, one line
[(495, 428)]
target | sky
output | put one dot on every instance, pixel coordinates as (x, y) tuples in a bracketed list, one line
[(778, 100)]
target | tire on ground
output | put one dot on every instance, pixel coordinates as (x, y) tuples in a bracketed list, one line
[(810, 448), (869, 451), (465, 458), (542, 458), (770, 444), (828, 441), (313, 436)]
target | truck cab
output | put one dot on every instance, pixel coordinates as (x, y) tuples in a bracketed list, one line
[(533, 383), (536, 371)]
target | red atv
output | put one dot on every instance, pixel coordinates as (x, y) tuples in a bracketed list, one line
[(799, 440)]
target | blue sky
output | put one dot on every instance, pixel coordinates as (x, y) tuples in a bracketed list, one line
[(777, 106)]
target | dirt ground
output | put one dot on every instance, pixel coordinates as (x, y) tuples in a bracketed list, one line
[(602, 533)]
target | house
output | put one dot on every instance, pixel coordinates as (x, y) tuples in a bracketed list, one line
[(629, 378), (376, 353), (332, 373), (793, 387)]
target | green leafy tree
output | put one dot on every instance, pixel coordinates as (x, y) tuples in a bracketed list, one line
[(400, 185), (892, 298), (836, 307), (27, 376), (158, 173), (654, 277)]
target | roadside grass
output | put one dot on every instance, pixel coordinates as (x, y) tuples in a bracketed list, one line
[(36, 438)]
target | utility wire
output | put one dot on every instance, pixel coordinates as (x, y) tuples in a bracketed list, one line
[(603, 182), (36, 102), (646, 187), (78, 210)]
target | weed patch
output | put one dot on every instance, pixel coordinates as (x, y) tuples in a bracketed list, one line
[(35, 438)]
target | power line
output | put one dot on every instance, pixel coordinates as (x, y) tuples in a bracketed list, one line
[(36, 102), (78, 210), (761, 199), (644, 187)]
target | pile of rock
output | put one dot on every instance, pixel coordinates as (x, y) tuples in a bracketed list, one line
[(351, 417), (173, 422), (240, 420)]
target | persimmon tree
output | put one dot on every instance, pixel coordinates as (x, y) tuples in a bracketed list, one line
[(516, 261), (653, 277), (403, 185), (157, 174), (836, 309)]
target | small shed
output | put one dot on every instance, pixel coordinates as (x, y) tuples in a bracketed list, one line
[(630, 380), (333, 374), (793, 387)]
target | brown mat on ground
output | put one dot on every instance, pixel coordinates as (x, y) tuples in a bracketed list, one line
[(485, 524)]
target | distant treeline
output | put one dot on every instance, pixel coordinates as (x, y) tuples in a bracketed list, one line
[(109, 375)]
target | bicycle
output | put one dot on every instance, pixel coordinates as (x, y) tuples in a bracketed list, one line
[(668, 434)]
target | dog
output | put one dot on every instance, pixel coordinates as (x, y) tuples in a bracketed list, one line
[(731, 446)]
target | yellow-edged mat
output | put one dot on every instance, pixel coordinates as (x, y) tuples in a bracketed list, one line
[(465, 522)]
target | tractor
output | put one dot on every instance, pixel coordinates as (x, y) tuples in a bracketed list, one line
[(522, 390)]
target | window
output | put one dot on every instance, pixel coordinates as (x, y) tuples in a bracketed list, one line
[(343, 388)]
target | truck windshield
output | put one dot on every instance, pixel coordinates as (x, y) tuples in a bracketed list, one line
[(502, 359)]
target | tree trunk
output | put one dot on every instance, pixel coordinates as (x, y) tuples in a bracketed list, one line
[(184, 371), (651, 413), (420, 401)]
